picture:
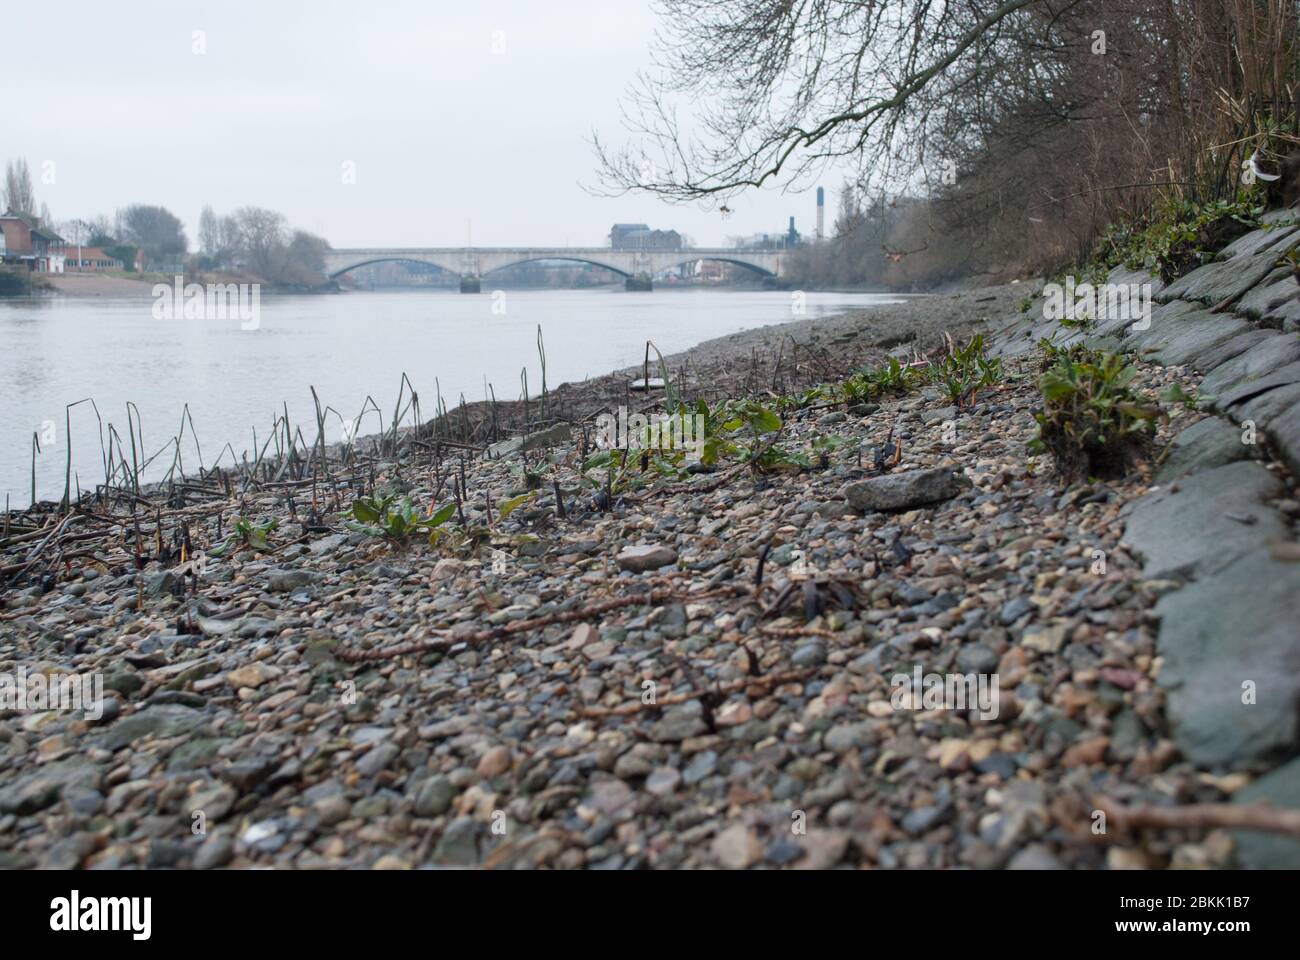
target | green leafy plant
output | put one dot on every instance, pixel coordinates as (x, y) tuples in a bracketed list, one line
[(822, 449), (733, 430), (963, 371), (857, 389), (1092, 422), (1050, 353), (823, 393), (1292, 259), (869, 383), (739, 428), (611, 471), (246, 534), (1174, 393), (508, 507), (395, 519), (1178, 236), (896, 378)]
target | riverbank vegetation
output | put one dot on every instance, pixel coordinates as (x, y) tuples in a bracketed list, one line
[(985, 140), (1093, 423)]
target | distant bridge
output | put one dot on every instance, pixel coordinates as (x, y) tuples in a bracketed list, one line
[(472, 263)]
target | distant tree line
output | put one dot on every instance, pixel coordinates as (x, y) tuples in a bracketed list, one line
[(259, 241), (252, 240), (899, 242)]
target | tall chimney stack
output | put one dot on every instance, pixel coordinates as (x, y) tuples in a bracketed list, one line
[(821, 213)]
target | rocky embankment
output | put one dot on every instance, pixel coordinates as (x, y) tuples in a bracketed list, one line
[(1219, 528), (704, 673)]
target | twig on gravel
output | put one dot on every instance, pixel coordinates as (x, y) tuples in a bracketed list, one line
[(793, 632), (589, 612), (1201, 816)]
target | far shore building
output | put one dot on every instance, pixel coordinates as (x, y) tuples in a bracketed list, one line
[(38, 249), (638, 236), (90, 260)]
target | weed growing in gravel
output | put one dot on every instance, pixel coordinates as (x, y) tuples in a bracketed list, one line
[(964, 370), (610, 473), (1050, 353), (894, 378), (395, 519), (734, 430), (822, 449), (740, 429), (246, 534), (1092, 422), (1175, 393), (868, 383)]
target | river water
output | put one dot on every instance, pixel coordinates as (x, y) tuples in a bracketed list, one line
[(56, 351)]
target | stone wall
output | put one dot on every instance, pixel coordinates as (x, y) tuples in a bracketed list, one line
[(1218, 525)]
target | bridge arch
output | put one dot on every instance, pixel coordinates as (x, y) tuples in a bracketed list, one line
[(494, 267), (737, 261), (336, 269)]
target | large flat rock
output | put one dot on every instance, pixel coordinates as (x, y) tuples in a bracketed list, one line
[(1253, 387), (1261, 359), (1274, 239), (1220, 354), (1162, 315), (1127, 277), (1233, 629), (1268, 851), (1277, 413), (1205, 520), (541, 440), (157, 720), (1201, 335), (1212, 442), (1275, 300), (1168, 322), (1222, 280)]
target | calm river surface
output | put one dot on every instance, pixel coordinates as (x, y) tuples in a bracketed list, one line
[(59, 350)]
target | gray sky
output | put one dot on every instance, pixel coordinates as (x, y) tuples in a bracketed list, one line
[(444, 132)]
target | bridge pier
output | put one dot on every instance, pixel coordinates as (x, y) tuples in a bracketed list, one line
[(470, 284), (641, 283)]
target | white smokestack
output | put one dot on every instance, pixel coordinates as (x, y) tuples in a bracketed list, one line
[(821, 213)]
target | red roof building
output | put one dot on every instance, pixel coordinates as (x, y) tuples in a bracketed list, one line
[(38, 249), (89, 260)]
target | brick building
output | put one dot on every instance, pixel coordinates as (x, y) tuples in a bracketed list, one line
[(38, 249)]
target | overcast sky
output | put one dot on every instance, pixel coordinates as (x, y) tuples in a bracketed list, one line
[(447, 136)]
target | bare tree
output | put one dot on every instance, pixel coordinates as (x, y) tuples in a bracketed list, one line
[(209, 232), (776, 89), (100, 231), (19, 196), (261, 237)]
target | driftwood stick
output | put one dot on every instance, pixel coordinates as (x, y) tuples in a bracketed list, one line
[(1201, 816), (444, 640)]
